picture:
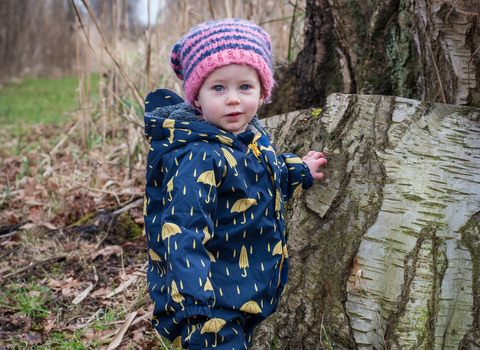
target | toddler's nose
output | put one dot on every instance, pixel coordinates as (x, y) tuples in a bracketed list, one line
[(232, 98)]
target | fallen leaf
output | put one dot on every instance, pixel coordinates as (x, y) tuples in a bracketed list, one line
[(122, 287), (121, 331), (30, 226), (49, 323), (82, 295), (99, 292), (107, 251)]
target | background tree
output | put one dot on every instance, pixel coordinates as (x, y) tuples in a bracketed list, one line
[(421, 49), (36, 37)]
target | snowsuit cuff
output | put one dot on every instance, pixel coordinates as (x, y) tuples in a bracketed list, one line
[(199, 310), (307, 178)]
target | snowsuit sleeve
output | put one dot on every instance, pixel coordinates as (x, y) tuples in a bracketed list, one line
[(295, 175), (189, 184)]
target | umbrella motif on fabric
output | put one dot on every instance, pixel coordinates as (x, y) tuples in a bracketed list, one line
[(251, 307), (170, 188), (269, 148), (278, 249), (230, 159), (176, 296), (207, 235), (208, 178), (169, 230), (154, 256), (169, 124), (242, 205), (293, 160), (178, 341), (212, 258), (243, 261), (144, 205), (213, 326), (224, 139), (297, 191), (278, 201), (208, 285)]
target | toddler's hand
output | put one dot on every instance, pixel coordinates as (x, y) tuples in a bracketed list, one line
[(314, 160)]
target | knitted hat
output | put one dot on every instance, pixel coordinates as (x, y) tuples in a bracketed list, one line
[(215, 44)]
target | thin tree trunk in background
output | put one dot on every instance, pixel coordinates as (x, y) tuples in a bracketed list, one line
[(101, 85), (400, 204), (149, 49), (114, 79), (228, 8), (127, 23), (184, 13), (87, 68), (81, 86), (210, 6), (135, 20), (400, 48)]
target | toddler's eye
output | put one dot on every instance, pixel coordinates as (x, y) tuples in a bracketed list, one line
[(218, 88), (244, 87)]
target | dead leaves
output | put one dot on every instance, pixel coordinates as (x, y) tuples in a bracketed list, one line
[(58, 230), (106, 252)]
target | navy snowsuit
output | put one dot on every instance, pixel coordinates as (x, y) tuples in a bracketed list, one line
[(215, 227)]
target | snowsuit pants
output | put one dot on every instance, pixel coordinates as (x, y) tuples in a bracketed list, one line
[(216, 335)]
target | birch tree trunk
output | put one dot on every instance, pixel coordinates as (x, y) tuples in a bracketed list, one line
[(421, 49), (401, 202)]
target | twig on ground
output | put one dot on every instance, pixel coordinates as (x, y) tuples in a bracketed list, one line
[(126, 208), (33, 265)]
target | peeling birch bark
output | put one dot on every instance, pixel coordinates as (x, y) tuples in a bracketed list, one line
[(401, 202)]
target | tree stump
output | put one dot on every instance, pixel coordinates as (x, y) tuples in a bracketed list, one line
[(400, 205)]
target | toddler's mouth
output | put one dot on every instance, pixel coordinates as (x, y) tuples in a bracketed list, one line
[(233, 115)]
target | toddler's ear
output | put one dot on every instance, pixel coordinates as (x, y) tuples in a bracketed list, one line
[(260, 100), (197, 104)]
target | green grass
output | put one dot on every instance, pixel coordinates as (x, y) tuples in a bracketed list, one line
[(30, 301), (40, 100)]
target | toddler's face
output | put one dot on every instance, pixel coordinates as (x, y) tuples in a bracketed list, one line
[(230, 96)]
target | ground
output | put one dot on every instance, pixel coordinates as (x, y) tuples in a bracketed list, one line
[(71, 239)]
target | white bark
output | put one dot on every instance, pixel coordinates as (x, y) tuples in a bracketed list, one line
[(402, 184)]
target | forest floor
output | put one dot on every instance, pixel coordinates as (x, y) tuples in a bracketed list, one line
[(73, 255)]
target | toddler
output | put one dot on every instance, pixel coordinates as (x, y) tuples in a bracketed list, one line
[(216, 190)]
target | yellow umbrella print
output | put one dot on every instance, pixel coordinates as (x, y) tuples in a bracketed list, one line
[(278, 249), (243, 261), (176, 296), (154, 256), (208, 178), (169, 230), (169, 124), (251, 307), (213, 326), (207, 235), (170, 188), (242, 205), (230, 159), (224, 139)]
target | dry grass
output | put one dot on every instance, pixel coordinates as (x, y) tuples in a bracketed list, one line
[(71, 194)]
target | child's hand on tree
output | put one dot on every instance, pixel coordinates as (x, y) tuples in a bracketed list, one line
[(314, 160)]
